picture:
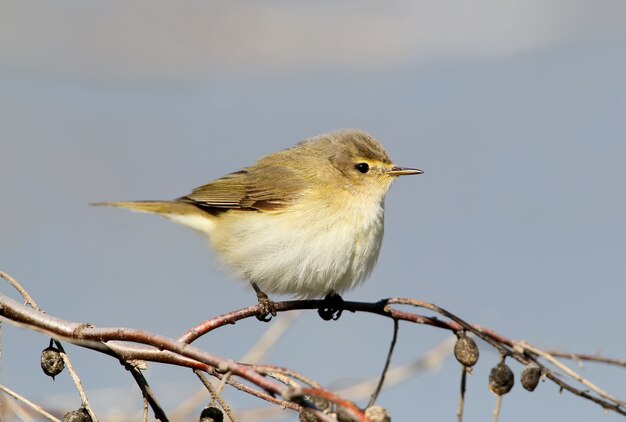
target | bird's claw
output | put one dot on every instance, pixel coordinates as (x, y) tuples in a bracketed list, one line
[(266, 306), (331, 307)]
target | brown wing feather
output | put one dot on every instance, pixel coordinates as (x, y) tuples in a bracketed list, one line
[(226, 192), (262, 187)]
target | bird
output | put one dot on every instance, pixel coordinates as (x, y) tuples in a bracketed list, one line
[(306, 221)]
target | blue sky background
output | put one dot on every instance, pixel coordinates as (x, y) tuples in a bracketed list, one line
[(516, 112)]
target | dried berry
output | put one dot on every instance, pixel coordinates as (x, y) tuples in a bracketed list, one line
[(319, 402), (79, 415), (466, 351), (377, 414), (344, 415), (211, 414), (307, 416), (501, 379), (531, 376), (51, 361)]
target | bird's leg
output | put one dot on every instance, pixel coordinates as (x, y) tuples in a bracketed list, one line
[(331, 307), (267, 305)]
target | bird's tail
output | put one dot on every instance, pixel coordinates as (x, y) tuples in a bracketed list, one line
[(152, 207), (180, 212)]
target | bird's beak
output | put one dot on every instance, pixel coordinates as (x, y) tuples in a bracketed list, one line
[(402, 171)]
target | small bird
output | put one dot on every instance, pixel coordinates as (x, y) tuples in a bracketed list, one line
[(306, 221)]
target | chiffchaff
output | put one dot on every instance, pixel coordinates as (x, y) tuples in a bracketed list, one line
[(305, 221)]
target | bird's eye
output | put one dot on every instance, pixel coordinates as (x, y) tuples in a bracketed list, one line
[(363, 167)]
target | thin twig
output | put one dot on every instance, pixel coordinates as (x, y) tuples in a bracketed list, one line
[(92, 337), (147, 353), (362, 389), (401, 373), (225, 379), (30, 404), (169, 351), (256, 393), (497, 341), (270, 337), (459, 411), (13, 408), (215, 396), (258, 351), (283, 379), (255, 354), (572, 374), (578, 357), (272, 370), (146, 408), (387, 362), (77, 383), (22, 291), (146, 391), (66, 360), (496, 411)]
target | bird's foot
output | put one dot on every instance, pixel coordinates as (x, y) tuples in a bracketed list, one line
[(331, 307), (267, 305), (268, 308)]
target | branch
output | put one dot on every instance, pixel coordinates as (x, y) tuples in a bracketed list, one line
[(29, 403), (506, 346), (66, 360), (96, 338), (127, 344)]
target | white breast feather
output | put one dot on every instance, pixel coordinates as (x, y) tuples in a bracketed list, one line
[(307, 255)]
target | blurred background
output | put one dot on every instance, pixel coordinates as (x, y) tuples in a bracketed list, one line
[(516, 111)]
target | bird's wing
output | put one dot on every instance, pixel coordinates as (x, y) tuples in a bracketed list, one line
[(226, 192), (267, 188)]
